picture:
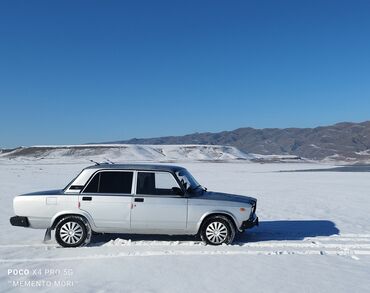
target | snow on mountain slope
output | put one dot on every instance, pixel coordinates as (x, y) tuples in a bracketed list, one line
[(128, 153)]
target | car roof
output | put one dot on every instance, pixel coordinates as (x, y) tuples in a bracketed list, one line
[(143, 167)]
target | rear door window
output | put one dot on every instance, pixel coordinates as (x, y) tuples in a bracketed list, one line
[(110, 182)]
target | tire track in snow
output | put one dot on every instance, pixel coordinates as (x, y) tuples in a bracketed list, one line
[(346, 245), (352, 243), (190, 253), (27, 245)]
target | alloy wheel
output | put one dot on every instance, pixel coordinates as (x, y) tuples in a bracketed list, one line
[(71, 232), (216, 232)]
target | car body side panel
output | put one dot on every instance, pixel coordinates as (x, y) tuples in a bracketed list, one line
[(159, 214), (40, 209), (199, 208), (79, 212), (109, 211)]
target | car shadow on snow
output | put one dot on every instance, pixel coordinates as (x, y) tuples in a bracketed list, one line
[(266, 231), (288, 230)]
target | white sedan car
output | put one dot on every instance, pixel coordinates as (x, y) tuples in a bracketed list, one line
[(137, 199)]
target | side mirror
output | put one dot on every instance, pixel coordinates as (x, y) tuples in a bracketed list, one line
[(177, 191)]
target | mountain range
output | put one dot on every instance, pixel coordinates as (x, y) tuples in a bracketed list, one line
[(341, 142), (345, 141)]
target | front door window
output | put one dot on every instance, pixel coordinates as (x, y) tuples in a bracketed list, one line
[(156, 183)]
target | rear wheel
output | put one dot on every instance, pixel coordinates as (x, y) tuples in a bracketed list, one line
[(217, 230), (72, 231)]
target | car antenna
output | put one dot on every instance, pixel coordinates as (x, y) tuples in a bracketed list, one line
[(96, 163), (109, 161)]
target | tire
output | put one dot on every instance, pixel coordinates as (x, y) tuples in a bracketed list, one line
[(72, 231), (217, 230)]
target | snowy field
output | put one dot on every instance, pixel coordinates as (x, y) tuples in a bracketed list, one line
[(314, 236)]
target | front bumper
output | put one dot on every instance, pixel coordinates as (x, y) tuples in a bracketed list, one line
[(249, 223), (19, 221)]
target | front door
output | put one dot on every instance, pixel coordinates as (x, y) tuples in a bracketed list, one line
[(156, 208), (107, 198)]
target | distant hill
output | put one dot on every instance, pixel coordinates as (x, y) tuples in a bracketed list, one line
[(343, 141), (125, 153)]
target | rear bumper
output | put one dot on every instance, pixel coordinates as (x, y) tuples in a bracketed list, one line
[(19, 221), (249, 223)]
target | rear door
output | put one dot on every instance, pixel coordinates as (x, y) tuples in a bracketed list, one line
[(156, 208), (107, 198)]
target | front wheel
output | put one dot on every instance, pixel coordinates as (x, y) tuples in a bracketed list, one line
[(217, 230), (72, 231)]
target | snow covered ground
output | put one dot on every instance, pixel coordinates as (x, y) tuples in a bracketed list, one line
[(314, 236)]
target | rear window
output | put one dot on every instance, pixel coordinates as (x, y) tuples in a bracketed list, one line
[(110, 182)]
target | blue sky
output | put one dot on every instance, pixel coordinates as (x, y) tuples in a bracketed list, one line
[(90, 71)]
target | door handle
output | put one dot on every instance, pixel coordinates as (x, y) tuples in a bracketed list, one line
[(139, 199), (87, 198)]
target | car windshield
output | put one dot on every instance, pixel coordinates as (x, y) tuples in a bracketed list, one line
[(187, 180)]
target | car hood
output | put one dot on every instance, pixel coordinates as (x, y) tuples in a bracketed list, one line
[(46, 192), (210, 195)]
